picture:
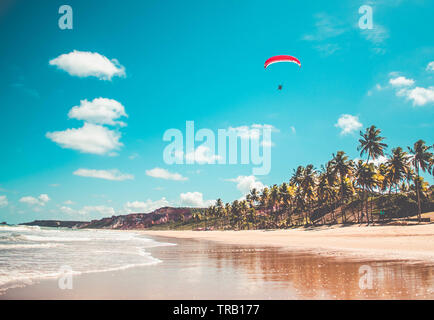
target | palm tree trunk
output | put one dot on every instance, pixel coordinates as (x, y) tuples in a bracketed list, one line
[(367, 207), (418, 195)]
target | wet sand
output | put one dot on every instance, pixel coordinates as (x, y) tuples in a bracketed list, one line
[(376, 242), (201, 269)]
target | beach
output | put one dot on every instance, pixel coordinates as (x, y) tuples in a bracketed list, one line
[(283, 264), (414, 242)]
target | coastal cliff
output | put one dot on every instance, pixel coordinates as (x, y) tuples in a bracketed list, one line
[(123, 222)]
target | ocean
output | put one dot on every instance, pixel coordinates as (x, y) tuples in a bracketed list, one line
[(31, 253)]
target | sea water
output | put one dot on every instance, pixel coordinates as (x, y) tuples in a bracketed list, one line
[(31, 253)]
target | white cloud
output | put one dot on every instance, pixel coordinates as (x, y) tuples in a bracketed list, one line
[(133, 156), (99, 111), (29, 200), (3, 201), (326, 27), (113, 174), (246, 132), (165, 174), (68, 210), (328, 48), (88, 64), (146, 206), (376, 162), (401, 81), (348, 124), (293, 130), (44, 198), (68, 202), (379, 160), (202, 155), (32, 201), (195, 199), (376, 35), (419, 96), (252, 132), (247, 183), (100, 210), (90, 138)]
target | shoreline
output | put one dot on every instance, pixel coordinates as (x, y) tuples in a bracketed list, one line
[(414, 243), (259, 265)]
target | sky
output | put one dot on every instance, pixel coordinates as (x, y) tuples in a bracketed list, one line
[(83, 111)]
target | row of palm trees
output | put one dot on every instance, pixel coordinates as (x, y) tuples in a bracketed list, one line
[(339, 187)]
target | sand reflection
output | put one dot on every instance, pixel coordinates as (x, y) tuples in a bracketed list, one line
[(281, 274)]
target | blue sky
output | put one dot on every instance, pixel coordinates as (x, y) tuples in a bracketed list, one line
[(200, 61)]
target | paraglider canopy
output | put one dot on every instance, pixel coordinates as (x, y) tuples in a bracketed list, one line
[(281, 58)]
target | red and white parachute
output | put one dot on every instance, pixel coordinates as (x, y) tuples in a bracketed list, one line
[(281, 58)]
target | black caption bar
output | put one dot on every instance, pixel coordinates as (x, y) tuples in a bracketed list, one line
[(214, 309)]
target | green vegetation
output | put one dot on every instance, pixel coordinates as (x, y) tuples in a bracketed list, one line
[(342, 191)]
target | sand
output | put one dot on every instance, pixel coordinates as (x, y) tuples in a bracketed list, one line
[(265, 265), (382, 242)]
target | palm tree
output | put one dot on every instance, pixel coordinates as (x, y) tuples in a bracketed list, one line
[(253, 196), (308, 184), (297, 176), (359, 182), (244, 208), (431, 163), (346, 191), (274, 200), (330, 176), (397, 166), (365, 178), (384, 177), (286, 194), (228, 212), (371, 143), (264, 198), (311, 194), (371, 184), (342, 168), (423, 188), (325, 191), (235, 213), (219, 210), (300, 204), (422, 159), (251, 217), (196, 216)]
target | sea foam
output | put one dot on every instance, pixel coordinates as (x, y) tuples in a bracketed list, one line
[(28, 254)]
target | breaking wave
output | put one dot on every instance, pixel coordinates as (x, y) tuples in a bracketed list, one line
[(28, 254)]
